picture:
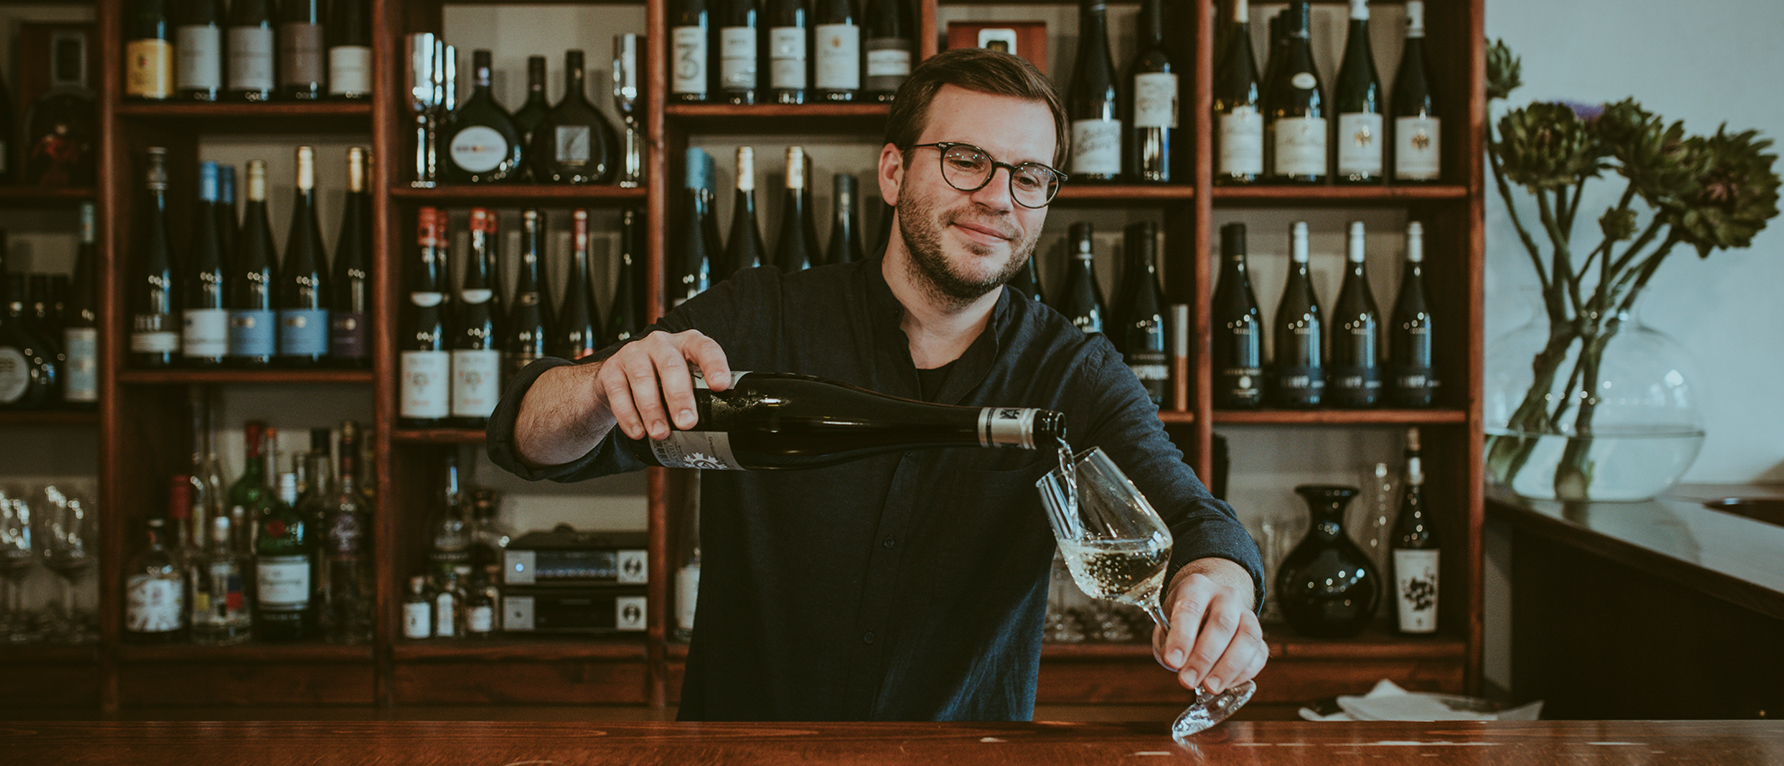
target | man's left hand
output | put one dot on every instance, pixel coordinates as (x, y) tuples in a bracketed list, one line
[(1215, 641)]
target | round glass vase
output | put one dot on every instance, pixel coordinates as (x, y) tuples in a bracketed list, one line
[(1327, 587)]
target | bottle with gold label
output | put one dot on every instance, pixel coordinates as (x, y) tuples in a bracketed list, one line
[(148, 52)]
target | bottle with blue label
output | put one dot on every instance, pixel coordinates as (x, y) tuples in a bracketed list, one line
[(204, 337), (303, 293), (253, 325)]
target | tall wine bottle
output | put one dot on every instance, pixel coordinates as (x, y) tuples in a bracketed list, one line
[(1418, 128), (1239, 125), (1299, 333), (698, 244), (1295, 114), (251, 50), (845, 230), (476, 360), (836, 65), (148, 51), (531, 113), (1082, 301), (425, 365), (1412, 374), (889, 44), (689, 58), (154, 314), (303, 67), (485, 144), (349, 308), (80, 328), (1093, 100), (578, 330), (228, 223), (624, 320), (1354, 374), (1140, 329), (1361, 136), (529, 322), (574, 144), (797, 245), (61, 141), (349, 49), (253, 319), (787, 58), (739, 59), (198, 45), (204, 340), (284, 563), (1273, 66), (1415, 548), (1150, 108), (743, 248), (303, 276), (1238, 343)]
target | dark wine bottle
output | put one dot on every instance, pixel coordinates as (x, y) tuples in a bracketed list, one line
[(1418, 128), (836, 64), (349, 49), (845, 230), (578, 330), (1412, 374), (41, 319), (1300, 336), (624, 320), (1416, 549), (29, 378), (529, 323), (779, 420), (1273, 67), (743, 249), (228, 223), (485, 144), (251, 50), (1028, 280), (574, 144), (80, 327), (1150, 107), (531, 113), (1238, 343), (1082, 301), (476, 361), (1093, 100), (796, 247), (699, 242), (253, 318), (204, 341), (350, 306), (154, 312), (787, 58), (1354, 372), (425, 365), (303, 276), (1239, 125), (1295, 112), (739, 62), (1361, 135), (62, 128), (1140, 330), (690, 25), (303, 67), (198, 42), (889, 45), (148, 51)]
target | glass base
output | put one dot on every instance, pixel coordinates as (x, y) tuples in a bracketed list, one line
[(1210, 709)]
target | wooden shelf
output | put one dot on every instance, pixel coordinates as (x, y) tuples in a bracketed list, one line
[(49, 418), (778, 118), (48, 654), (1142, 193), (273, 375), (520, 649), (1375, 642), (438, 435), (15, 197), (262, 117), (1176, 417), (249, 652), (1341, 417), (508, 195), (1335, 196)]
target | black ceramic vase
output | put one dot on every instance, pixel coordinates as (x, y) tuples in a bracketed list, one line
[(1326, 586)]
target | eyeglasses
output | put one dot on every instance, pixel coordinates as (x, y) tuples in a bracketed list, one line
[(968, 168)]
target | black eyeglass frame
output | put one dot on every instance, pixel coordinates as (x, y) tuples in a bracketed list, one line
[(942, 157)]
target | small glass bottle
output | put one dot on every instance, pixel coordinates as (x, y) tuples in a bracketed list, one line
[(220, 613), (449, 606), (155, 603), (418, 612), (482, 617)]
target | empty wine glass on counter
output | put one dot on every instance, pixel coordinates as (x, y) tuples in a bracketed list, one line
[(16, 557), (67, 537)]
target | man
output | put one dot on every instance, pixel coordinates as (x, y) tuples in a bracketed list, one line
[(904, 586)]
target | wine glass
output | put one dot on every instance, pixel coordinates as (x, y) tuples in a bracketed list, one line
[(67, 538), (1118, 549), (16, 558)]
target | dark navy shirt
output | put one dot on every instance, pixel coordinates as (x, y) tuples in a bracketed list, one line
[(906, 586)]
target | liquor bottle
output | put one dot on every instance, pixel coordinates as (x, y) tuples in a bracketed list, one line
[(1092, 102), (1295, 112), (154, 331), (251, 50), (228, 223), (1028, 280), (1418, 128), (217, 590), (787, 57), (773, 420), (250, 496), (80, 329), (315, 484), (624, 321), (346, 562), (699, 244), (1140, 331), (1150, 108), (148, 52), (303, 277), (1412, 375), (482, 617), (253, 321), (689, 31), (198, 41), (285, 549), (1082, 301), (836, 62), (418, 614), (1416, 549), (476, 361), (207, 476), (449, 537), (531, 113), (797, 246), (426, 365), (1238, 343), (845, 230), (1361, 136), (62, 127), (303, 63), (488, 535), (578, 330), (1354, 372), (28, 375), (349, 305), (739, 59), (743, 249), (485, 143), (349, 49), (574, 144), (1239, 125), (529, 323), (449, 603), (1300, 337), (155, 585), (889, 45), (204, 341)]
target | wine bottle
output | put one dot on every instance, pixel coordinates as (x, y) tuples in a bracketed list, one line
[(689, 30), (426, 365), (1082, 301), (1028, 280), (743, 249), (154, 584), (251, 50), (204, 341), (578, 331), (198, 41), (699, 242), (253, 319), (787, 59), (1239, 126), (836, 32), (303, 276), (228, 223), (39, 317), (776, 420), (284, 549), (531, 113), (1418, 128), (80, 333), (1415, 548), (1300, 337), (1361, 134), (797, 245), (154, 331), (574, 144), (485, 145), (623, 314), (1238, 343), (1151, 102), (1140, 332), (739, 61), (529, 324), (148, 51), (1412, 374), (348, 590), (1273, 65), (476, 362), (1354, 374), (62, 127), (889, 46), (1295, 114), (349, 49), (349, 308), (845, 231), (303, 67), (28, 375), (1093, 101)]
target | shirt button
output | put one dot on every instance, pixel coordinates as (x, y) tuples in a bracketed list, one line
[(886, 542), (867, 638)]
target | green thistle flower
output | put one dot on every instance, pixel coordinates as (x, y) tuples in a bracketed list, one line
[(1617, 225), (1503, 70), (1544, 146), (1730, 197)]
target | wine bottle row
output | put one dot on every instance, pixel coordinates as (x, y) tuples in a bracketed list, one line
[(60, 144), (569, 143), (1138, 325), (789, 51), (257, 50), (1336, 362), (49, 336), (229, 299)]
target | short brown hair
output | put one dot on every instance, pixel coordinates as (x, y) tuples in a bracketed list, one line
[(978, 69)]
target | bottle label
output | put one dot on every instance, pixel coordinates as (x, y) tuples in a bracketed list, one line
[(349, 69), (201, 57), (572, 145), (346, 335), (206, 333), (217, 597), (476, 383), (1416, 148), (81, 382), (341, 538), (445, 615), (1359, 144), (737, 57), (1241, 386), (15, 375), (479, 149), (1152, 371), (253, 333), (1155, 100), (300, 54), (1414, 386), (1242, 142), (839, 56), (688, 53), (284, 582), (1354, 384), (148, 68), (427, 384), (786, 54), (1300, 385), (480, 619), (155, 605), (1096, 147), (687, 594), (416, 620), (1415, 584), (1301, 146), (155, 335), (888, 58), (709, 450), (251, 58), (303, 332)]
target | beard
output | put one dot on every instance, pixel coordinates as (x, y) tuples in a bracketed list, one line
[(921, 225)]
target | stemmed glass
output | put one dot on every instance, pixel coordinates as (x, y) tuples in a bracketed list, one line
[(1118, 549), (68, 539), (16, 558)]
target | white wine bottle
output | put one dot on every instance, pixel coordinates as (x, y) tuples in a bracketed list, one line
[(1295, 108), (1093, 99), (1238, 124), (1360, 130), (1417, 128)]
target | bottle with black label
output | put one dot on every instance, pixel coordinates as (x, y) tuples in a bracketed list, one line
[(155, 323), (253, 321), (204, 340), (1140, 330), (1238, 121), (1093, 100), (1354, 375), (1415, 549), (888, 47), (303, 276), (529, 322), (476, 360), (198, 45), (689, 33), (739, 59), (1295, 112), (1238, 342), (303, 64), (485, 144), (787, 59), (836, 64), (1361, 136), (148, 51), (349, 311), (1082, 301), (425, 366), (1299, 333), (797, 247), (350, 49), (845, 229), (1151, 102), (80, 326), (284, 568), (251, 50), (1412, 375), (578, 331), (743, 249), (1418, 128), (574, 144)]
